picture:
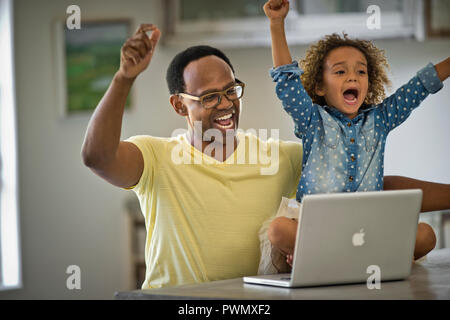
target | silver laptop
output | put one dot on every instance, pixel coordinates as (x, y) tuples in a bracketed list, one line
[(344, 237)]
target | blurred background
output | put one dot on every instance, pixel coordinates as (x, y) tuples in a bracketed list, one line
[(57, 213)]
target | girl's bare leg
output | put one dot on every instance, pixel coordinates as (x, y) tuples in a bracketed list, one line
[(436, 196), (425, 240)]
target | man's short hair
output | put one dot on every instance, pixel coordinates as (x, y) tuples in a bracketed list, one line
[(174, 75)]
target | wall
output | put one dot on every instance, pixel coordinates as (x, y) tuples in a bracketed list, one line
[(70, 216)]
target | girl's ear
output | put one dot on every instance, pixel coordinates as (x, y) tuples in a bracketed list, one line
[(178, 105), (320, 91)]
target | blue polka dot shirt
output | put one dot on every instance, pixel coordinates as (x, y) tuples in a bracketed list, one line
[(342, 154)]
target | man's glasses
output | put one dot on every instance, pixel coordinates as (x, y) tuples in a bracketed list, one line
[(213, 99)]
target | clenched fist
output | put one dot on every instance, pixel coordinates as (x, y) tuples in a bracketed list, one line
[(276, 9), (137, 51)]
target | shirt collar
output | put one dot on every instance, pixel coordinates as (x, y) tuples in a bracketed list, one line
[(336, 113)]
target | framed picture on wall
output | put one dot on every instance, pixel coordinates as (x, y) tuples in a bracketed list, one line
[(88, 58)]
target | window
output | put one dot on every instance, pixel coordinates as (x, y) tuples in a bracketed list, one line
[(238, 23), (10, 274)]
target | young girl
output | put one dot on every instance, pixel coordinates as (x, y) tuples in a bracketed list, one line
[(341, 114)]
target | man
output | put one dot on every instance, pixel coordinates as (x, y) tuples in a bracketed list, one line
[(203, 195), (202, 215)]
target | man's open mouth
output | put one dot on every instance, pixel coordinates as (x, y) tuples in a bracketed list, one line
[(351, 96), (226, 121)]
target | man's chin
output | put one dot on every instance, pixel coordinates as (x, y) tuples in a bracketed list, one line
[(218, 135), (226, 137), (215, 132)]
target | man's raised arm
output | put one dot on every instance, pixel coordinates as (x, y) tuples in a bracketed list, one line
[(119, 162)]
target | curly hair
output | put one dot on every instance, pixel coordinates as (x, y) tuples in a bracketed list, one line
[(377, 66)]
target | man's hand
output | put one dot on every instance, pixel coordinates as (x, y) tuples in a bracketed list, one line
[(137, 51), (276, 10)]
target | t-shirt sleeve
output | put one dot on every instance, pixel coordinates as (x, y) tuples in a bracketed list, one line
[(294, 151), (145, 183)]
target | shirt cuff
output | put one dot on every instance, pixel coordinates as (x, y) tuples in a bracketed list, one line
[(429, 78), (291, 69)]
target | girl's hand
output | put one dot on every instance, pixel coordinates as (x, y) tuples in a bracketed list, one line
[(443, 69), (289, 259), (276, 10)]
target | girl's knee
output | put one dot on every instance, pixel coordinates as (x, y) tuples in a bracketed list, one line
[(425, 240), (275, 230), (427, 236), (281, 230)]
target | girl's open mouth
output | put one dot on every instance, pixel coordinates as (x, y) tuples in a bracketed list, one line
[(351, 96)]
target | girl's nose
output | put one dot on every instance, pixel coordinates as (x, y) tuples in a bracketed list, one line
[(351, 77)]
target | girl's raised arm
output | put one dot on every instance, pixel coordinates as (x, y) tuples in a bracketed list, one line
[(443, 69), (276, 11)]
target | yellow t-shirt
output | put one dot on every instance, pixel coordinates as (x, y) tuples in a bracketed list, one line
[(202, 215)]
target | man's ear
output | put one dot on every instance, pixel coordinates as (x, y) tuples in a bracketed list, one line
[(178, 105)]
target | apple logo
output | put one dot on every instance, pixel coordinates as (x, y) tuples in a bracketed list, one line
[(358, 238)]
